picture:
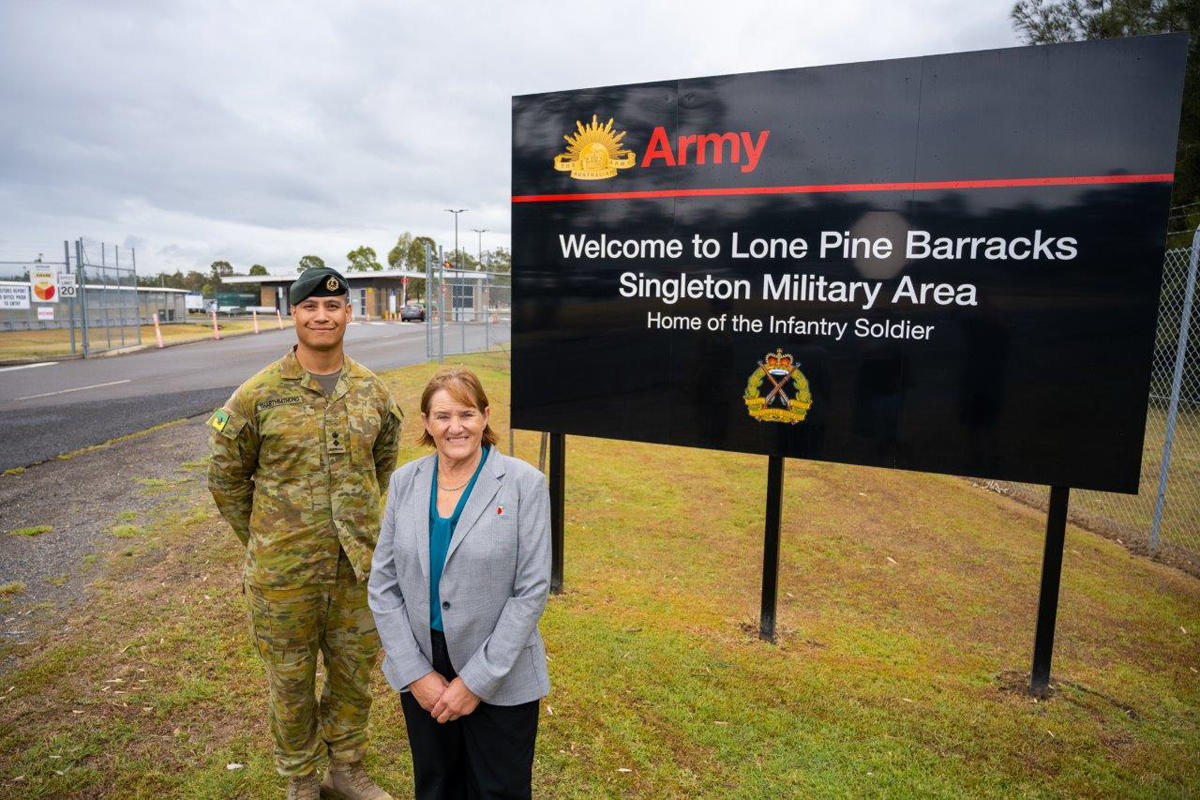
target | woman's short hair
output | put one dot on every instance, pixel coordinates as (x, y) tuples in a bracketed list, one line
[(464, 386)]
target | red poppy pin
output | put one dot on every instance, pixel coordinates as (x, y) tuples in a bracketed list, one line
[(500, 511)]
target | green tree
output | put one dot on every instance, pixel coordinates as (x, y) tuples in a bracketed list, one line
[(499, 260), (363, 259), (258, 269), (398, 256), (1046, 21), (219, 270), (310, 262)]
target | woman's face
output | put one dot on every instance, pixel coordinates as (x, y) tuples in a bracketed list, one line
[(457, 429)]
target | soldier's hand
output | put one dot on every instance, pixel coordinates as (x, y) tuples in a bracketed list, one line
[(457, 701), (428, 690)]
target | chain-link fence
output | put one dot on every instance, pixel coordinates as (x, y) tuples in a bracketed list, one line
[(1163, 518), (467, 311), (80, 298)]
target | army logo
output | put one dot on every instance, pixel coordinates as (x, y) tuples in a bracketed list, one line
[(594, 152), (776, 376), (331, 284)]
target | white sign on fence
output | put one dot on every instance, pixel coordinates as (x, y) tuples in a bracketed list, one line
[(44, 281), (46, 313), (67, 288), (14, 297)]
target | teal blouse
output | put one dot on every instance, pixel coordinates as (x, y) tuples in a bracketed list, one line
[(441, 531)]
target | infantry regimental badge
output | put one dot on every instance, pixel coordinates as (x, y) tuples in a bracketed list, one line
[(332, 284), (594, 152), (219, 419), (767, 395)]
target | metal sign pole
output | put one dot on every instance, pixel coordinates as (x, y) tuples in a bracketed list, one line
[(70, 300), (1043, 642), (558, 481), (770, 579)]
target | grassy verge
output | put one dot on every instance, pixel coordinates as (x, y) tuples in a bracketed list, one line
[(16, 345), (906, 609)]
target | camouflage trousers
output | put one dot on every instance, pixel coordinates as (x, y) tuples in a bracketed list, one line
[(290, 626)]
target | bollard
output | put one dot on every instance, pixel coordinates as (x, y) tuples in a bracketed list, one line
[(157, 330), (254, 316), (279, 318), (216, 330)]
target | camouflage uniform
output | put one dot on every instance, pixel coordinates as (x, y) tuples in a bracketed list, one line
[(298, 475)]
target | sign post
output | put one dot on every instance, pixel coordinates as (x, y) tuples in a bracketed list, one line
[(558, 482), (1043, 642), (770, 579), (935, 275)]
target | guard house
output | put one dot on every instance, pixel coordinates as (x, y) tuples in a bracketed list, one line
[(373, 293), (383, 292)]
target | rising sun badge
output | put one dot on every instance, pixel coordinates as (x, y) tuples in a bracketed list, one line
[(594, 152), (778, 391)]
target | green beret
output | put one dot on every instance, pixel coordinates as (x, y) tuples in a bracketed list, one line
[(318, 282)]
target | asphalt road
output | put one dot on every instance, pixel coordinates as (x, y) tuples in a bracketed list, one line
[(62, 406)]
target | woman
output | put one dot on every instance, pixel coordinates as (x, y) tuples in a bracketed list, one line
[(458, 582)]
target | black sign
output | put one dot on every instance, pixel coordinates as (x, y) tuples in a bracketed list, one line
[(948, 264)]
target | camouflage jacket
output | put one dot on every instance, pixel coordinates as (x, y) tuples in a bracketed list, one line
[(296, 473)]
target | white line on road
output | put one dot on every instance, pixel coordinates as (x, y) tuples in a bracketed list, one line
[(377, 323), (80, 389), (28, 366)]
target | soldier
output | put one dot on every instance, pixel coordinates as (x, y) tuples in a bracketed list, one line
[(299, 453)]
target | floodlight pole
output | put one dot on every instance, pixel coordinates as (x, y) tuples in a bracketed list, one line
[(558, 480), (1043, 642), (770, 578)]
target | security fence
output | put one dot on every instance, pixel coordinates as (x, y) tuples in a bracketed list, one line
[(467, 311), (1163, 518), (86, 293)]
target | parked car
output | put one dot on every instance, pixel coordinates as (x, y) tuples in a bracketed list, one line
[(412, 311)]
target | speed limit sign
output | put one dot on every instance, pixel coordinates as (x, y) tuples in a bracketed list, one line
[(67, 288)]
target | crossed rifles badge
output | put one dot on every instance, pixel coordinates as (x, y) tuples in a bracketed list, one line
[(776, 376)]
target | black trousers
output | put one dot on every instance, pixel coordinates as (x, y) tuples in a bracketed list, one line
[(487, 754)]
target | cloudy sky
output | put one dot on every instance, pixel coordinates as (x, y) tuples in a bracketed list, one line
[(257, 131)]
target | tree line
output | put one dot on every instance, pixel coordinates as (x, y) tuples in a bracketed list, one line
[(408, 253)]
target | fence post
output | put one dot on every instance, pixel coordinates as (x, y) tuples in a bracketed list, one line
[(157, 331), (70, 300), (83, 296), (1176, 388), (137, 303)]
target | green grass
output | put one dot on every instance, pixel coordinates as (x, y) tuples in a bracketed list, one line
[(12, 589), (126, 531), (35, 530), (906, 614)]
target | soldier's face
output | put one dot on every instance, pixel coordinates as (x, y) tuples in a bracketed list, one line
[(457, 429), (321, 321)]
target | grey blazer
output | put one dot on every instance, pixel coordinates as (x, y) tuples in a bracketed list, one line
[(493, 588)]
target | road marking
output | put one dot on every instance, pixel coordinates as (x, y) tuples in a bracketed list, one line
[(354, 323), (377, 323), (28, 366), (79, 389)]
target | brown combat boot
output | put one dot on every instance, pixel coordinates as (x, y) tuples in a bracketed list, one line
[(303, 787), (351, 782)]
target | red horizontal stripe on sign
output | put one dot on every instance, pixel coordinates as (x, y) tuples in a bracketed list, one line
[(915, 186)]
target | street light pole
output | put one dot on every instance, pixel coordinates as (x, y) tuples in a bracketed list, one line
[(457, 256), (481, 232)]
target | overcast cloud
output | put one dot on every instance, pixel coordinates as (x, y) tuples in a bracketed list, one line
[(257, 132)]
